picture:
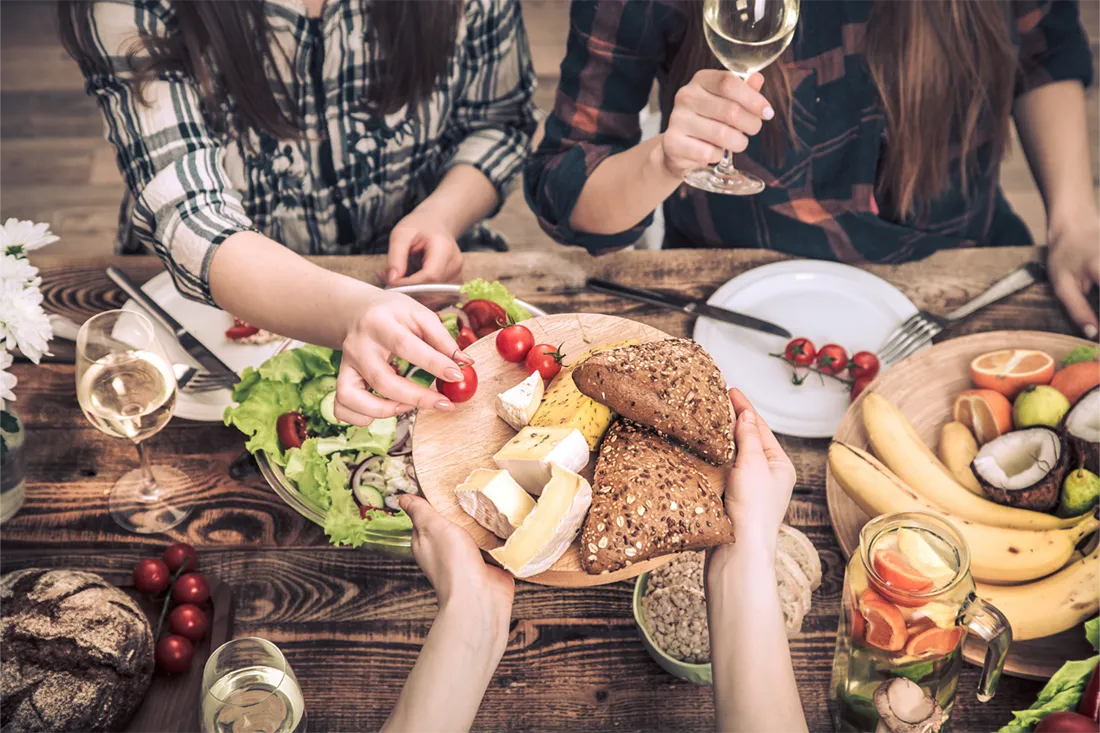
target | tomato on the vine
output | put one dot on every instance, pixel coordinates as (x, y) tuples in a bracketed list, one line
[(485, 315), (514, 342), (863, 364), (179, 554), (466, 336), (801, 351), (291, 429), (191, 588), (173, 654), (544, 359), (832, 359), (152, 576), (462, 390), (858, 386), (189, 621)]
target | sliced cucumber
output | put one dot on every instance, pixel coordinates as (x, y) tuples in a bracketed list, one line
[(369, 496), (328, 410), (421, 377)]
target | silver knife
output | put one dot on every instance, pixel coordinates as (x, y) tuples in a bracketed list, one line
[(686, 305), (194, 348)]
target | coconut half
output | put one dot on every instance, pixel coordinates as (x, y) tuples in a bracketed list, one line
[(1081, 427), (904, 707), (1023, 468)]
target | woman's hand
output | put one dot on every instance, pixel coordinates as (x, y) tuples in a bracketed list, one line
[(1073, 264), (760, 483), (716, 111), (453, 564), (425, 236), (391, 325)]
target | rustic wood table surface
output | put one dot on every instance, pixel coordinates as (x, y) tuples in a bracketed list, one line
[(351, 622)]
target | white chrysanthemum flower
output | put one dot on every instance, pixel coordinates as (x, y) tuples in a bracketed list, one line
[(7, 381), (19, 270), (25, 236), (23, 323)]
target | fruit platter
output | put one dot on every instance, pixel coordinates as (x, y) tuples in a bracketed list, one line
[(998, 432)]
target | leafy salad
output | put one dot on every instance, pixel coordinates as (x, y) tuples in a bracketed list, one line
[(354, 475)]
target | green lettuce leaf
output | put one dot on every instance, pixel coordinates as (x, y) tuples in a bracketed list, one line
[(257, 414), (308, 469), (314, 391), (298, 365), (343, 524), (375, 439), (497, 293), (1061, 693), (450, 322), (1092, 632), (249, 379)]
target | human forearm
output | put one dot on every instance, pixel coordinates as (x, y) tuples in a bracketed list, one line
[(1053, 131), (444, 689), (624, 189), (754, 684), (463, 198)]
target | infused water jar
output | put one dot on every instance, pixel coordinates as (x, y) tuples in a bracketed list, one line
[(907, 606)]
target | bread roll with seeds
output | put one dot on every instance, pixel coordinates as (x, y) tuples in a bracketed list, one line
[(672, 386), (649, 498)]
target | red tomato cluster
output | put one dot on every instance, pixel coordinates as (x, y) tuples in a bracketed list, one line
[(187, 622), (832, 360)]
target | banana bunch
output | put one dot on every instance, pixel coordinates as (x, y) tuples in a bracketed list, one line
[(1025, 562)]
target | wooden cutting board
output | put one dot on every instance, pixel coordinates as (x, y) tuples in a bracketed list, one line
[(448, 446)]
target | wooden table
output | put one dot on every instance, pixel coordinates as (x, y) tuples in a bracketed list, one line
[(351, 622)]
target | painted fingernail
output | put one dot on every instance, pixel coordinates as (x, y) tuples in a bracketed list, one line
[(452, 375), (1090, 331), (463, 356), (444, 406), (768, 113)]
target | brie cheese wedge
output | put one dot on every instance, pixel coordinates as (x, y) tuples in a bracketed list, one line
[(494, 500), (516, 406), (529, 455), (550, 528)]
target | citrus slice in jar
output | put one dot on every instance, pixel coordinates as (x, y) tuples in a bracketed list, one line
[(885, 625), (934, 641)]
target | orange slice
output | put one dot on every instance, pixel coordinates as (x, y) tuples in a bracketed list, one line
[(933, 640), (1010, 370), (885, 627), (988, 414)]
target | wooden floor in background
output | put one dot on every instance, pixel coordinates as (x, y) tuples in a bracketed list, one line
[(55, 165)]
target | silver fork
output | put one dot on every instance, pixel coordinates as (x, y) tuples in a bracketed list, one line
[(920, 329)]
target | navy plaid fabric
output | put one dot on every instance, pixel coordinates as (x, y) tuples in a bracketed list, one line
[(351, 177), (820, 202)]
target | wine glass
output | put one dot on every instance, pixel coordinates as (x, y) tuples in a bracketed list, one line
[(126, 388), (746, 36), (248, 687)]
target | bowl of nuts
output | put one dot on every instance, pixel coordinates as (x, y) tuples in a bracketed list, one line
[(671, 612)]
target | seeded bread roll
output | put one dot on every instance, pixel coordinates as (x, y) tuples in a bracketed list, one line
[(648, 499), (672, 386), (77, 652)]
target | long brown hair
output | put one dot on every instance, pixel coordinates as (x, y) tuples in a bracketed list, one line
[(945, 70), (225, 46)]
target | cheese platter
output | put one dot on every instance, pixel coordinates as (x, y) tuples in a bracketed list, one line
[(516, 465)]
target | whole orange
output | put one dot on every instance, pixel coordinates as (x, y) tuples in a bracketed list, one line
[(1076, 379)]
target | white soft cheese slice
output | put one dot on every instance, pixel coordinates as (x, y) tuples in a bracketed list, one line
[(529, 455), (516, 406), (494, 500), (550, 528)]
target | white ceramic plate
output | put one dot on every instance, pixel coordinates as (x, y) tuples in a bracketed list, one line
[(824, 301), (208, 325)]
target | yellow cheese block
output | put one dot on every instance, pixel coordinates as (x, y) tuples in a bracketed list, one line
[(563, 405)]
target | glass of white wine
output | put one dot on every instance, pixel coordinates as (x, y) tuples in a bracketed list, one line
[(248, 687), (126, 388), (746, 36)]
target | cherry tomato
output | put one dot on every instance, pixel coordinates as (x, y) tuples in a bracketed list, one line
[(191, 588), (179, 554), (800, 351), (462, 390), (152, 576), (863, 364), (1066, 723), (514, 342), (485, 314), (173, 654), (188, 621), (466, 336), (832, 359), (291, 428), (544, 359), (240, 330), (858, 386)]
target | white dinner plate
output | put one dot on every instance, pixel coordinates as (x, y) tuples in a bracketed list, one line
[(824, 301), (208, 325)]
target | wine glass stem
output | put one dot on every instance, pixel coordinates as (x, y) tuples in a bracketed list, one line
[(725, 166), (149, 488)]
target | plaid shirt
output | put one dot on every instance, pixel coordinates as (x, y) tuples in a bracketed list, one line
[(351, 177), (820, 202)]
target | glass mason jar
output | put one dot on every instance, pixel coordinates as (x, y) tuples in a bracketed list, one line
[(13, 464), (907, 605)]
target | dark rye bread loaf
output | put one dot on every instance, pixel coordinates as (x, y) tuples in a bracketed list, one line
[(673, 386), (77, 653), (649, 499)]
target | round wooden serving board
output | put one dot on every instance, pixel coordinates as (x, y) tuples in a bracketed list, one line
[(924, 387), (448, 446)]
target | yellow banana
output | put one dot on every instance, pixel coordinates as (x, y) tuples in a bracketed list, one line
[(896, 442), (957, 449), (1051, 605), (997, 554)]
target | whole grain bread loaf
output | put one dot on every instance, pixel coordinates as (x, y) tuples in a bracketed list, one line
[(672, 386), (77, 653), (649, 498)]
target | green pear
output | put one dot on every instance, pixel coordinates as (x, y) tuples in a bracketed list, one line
[(1080, 493), (1039, 405)]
